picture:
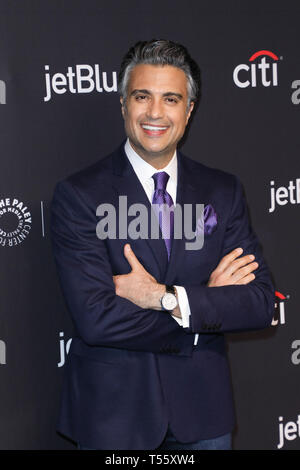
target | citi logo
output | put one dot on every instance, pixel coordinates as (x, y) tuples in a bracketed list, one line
[(82, 78), (2, 92), (279, 316), (261, 72)]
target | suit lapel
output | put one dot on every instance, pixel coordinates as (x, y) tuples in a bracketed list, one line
[(188, 192), (126, 183)]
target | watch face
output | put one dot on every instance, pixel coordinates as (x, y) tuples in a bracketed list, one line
[(169, 301)]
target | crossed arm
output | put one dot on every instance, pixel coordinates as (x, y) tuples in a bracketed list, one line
[(234, 298), (141, 288), (131, 320)]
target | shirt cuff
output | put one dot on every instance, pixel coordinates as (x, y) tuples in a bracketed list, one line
[(183, 303)]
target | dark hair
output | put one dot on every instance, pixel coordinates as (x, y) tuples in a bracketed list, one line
[(161, 52)]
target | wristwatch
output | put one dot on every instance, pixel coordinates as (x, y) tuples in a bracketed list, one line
[(169, 299)]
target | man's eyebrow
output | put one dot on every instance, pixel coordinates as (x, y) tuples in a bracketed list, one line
[(135, 92), (172, 93), (147, 92)]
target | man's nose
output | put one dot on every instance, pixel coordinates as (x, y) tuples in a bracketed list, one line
[(155, 109)]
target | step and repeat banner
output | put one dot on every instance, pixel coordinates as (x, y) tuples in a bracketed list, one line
[(60, 112)]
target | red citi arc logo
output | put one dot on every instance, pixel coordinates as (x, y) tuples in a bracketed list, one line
[(279, 295), (260, 72), (279, 316)]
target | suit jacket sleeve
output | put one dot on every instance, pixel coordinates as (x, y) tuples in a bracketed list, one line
[(100, 317), (236, 307)]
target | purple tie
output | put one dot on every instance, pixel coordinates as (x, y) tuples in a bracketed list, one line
[(166, 217)]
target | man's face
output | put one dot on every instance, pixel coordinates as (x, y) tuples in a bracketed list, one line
[(155, 111)]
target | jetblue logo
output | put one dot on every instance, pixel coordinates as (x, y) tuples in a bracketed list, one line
[(284, 194), (258, 72), (2, 92), (81, 78), (64, 347), (288, 431)]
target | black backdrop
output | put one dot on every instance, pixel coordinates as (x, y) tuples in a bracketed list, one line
[(252, 131)]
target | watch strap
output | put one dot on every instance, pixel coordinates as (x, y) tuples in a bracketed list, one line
[(171, 289)]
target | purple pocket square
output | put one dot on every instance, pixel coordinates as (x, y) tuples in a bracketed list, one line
[(210, 221)]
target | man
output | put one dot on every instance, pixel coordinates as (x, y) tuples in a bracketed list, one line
[(147, 366)]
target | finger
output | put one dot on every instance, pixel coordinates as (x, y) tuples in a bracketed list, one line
[(238, 264), (131, 258), (242, 272), (246, 279), (227, 259)]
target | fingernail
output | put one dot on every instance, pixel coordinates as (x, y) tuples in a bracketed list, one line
[(239, 250)]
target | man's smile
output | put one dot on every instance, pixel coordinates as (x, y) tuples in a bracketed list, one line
[(154, 130)]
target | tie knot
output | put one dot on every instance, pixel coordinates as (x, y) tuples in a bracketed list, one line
[(160, 180)]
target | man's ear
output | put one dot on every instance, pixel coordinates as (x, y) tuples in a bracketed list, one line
[(190, 111), (122, 105)]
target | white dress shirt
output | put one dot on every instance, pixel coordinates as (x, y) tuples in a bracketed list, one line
[(144, 172)]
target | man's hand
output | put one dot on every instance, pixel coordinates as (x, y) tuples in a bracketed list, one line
[(233, 270), (138, 286)]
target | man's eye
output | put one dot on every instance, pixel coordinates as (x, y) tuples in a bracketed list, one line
[(171, 100), (140, 97)]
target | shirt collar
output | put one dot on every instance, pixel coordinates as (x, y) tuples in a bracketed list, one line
[(144, 170)]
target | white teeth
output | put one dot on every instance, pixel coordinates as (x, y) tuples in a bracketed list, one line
[(154, 128)]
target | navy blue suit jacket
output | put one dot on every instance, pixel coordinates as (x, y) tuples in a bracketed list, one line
[(131, 371)]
